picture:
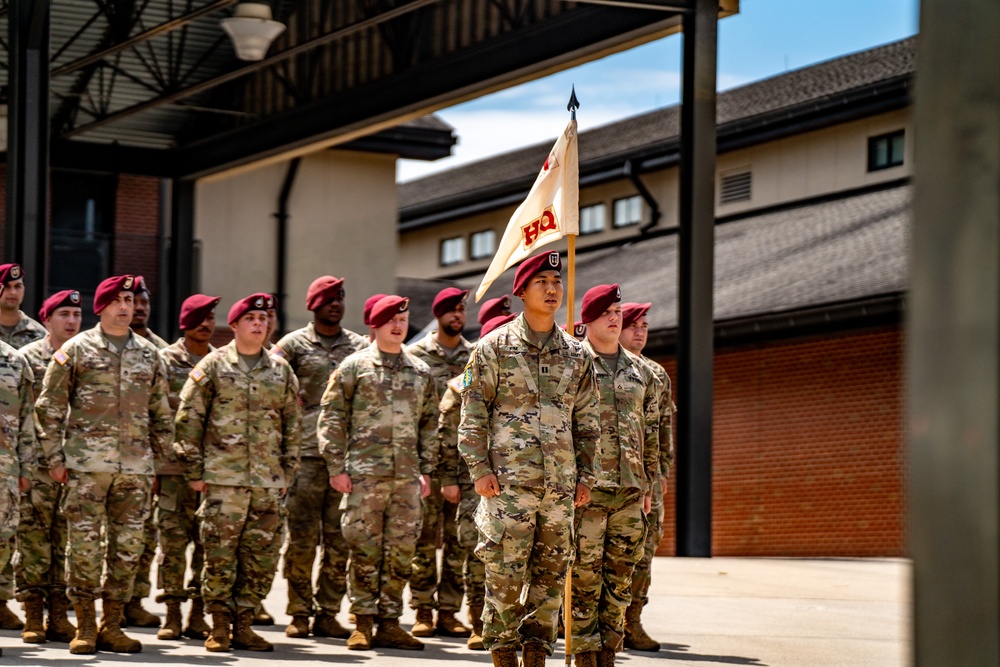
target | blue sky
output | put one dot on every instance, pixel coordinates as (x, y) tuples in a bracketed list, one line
[(766, 38)]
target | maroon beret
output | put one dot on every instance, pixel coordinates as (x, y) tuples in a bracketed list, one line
[(140, 285), (387, 308), (322, 291), (495, 322), (110, 288), (547, 261), (597, 300), (369, 304), (258, 301), (67, 297), (493, 307), (9, 272), (633, 311), (195, 309), (447, 300)]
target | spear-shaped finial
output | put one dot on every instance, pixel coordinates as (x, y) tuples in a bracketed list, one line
[(574, 103)]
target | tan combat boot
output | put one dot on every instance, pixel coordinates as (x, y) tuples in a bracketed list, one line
[(504, 657), (197, 628), (218, 640), (261, 617), (585, 659), (424, 627), (326, 625), (635, 637), (298, 628), (390, 635), (137, 616), (449, 626), (172, 623), (111, 638), (534, 655), (361, 638), (8, 619), (34, 618), (243, 635), (85, 640), (606, 657), (59, 628), (475, 641)]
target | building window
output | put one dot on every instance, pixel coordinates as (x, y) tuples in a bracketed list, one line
[(886, 150), (735, 187), (592, 219), (628, 211), (83, 225), (484, 244), (452, 251)]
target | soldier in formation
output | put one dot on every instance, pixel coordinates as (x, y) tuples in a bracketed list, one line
[(41, 532), (238, 434), (528, 432), (611, 528)]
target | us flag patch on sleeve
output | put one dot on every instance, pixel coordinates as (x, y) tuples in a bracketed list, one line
[(61, 357), (197, 375), (278, 352)]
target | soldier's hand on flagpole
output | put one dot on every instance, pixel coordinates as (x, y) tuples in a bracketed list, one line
[(23, 484), (582, 495), (341, 483), (451, 493), (198, 485), (425, 486), (488, 486), (59, 474)]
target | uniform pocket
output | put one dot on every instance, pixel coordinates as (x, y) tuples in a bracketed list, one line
[(488, 521)]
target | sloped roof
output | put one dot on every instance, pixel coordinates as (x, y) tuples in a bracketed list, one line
[(791, 90), (827, 252)]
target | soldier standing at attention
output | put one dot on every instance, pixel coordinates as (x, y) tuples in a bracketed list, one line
[(446, 352), (41, 533), (177, 502), (314, 513), (104, 424), (135, 614), (378, 434), (17, 330), (454, 475), (611, 529), (238, 428), (635, 330), (528, 433)]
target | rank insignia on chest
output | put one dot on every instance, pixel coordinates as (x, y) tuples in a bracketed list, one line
[(61, 357), (545, 369), (197, 375)]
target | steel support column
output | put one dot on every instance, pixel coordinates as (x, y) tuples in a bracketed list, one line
[(953, 333), (181, 245), (696, 247), (28, 145)]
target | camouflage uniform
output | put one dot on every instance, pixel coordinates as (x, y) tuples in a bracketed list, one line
[(530, 416), (379, 425), (314, 512), (641, 577), (104, 415), (25, 331), (177, 502), (452, 470), (424, 577), (17, 445), (611, 529), (238, 431), (41, 533)]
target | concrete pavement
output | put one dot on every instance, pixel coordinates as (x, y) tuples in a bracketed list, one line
[(719, 611)]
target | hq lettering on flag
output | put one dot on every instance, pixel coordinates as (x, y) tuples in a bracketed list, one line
[(549, 212)]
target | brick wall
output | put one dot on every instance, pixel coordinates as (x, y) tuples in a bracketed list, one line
[(808, 450), (137, 215)]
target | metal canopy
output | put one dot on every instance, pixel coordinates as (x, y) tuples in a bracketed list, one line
[(153, 86)]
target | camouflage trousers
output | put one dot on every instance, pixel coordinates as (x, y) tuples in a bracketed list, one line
[(7, 571), (610, 533), (118, 504), (468, 537), (424, 581), (40, 562), (176, 505), (9, 512), (241, 531), (381, 525), (314, 517), (526, 542), (142, 586), (643, 569)]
